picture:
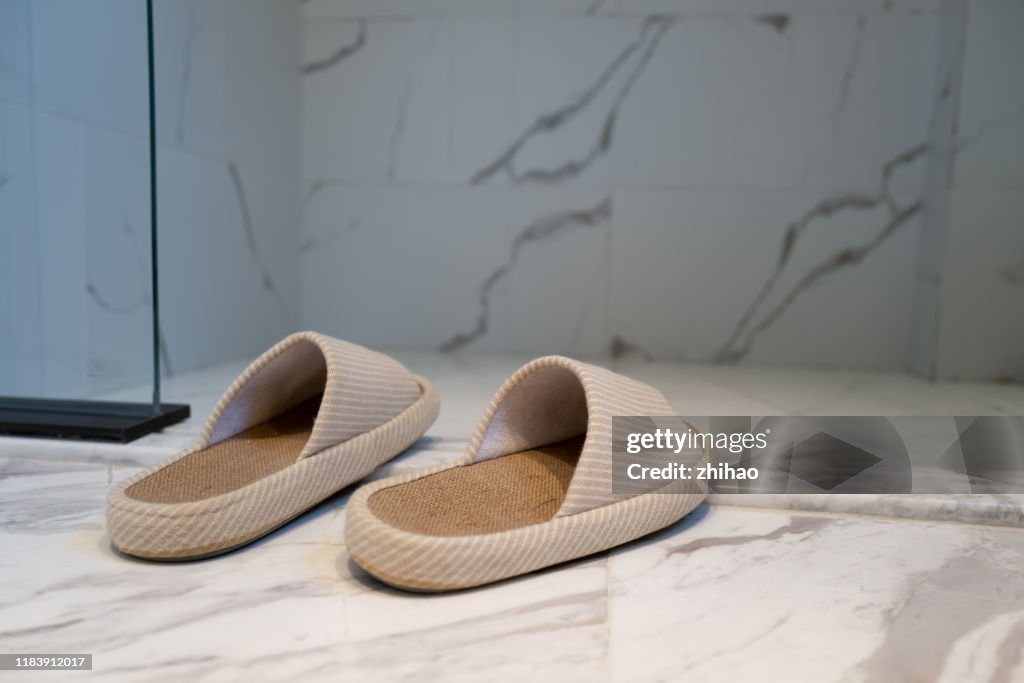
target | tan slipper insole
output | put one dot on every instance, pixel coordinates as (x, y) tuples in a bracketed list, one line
[(504, 493), (227, 465)]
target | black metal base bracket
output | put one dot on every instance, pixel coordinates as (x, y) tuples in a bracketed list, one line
[(93, 420)]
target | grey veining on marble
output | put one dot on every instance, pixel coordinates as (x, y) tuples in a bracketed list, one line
[(537, 232), (968, 139), (778, 21), (188, 55), (707, 127), (339, 55), (849, 598), (848, 73), (266, 279), (295, 605), (631, 61), (772, 171), (754, 321), (727, 594)]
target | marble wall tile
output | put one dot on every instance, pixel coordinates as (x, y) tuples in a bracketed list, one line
[(375, 273), (712, 129), (698, 276), (75, 171), (495, 154), (679, 7), (262, 88), (227, 75), (89, 62), (483, 110), (191, 76), (559, 250), (860, 92), (476, 291), (315, 10), (616, 92), (327, 9), (946, 94), (15, 52), (991, 126), (227, 260), (19, 293), (852, 7), (563, 7), (229, 106), (981, 332), (376, 100)]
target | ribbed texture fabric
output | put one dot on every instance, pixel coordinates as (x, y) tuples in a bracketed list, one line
[(363, 390), (590, 519), (422, 562), (606, 394), (372, 410)]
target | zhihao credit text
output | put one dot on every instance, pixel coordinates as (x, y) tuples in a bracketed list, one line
[(699, 472)]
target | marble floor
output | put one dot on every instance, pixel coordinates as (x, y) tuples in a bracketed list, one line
[(873, 589)]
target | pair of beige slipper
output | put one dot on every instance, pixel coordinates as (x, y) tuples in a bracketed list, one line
[(314, 414)]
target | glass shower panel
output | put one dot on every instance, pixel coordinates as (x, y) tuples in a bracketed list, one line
[(76, 296)]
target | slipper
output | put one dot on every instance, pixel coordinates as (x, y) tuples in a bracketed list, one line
[(310, 416), (534, 488)]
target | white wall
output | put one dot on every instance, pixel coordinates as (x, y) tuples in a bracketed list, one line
[(594, 178), (566, 176), (981, 326), (75, 297), (757, 181), (230, 220)]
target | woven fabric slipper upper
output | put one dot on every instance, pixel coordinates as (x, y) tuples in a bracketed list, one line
[(533, 490), (310, 416)]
